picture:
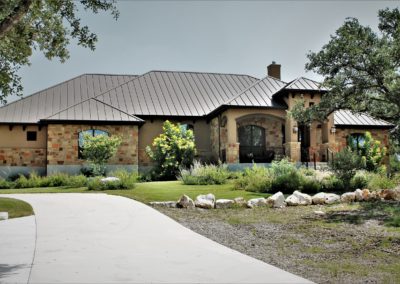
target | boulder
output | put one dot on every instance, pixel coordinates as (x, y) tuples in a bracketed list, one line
[(185, 202), (292, 200), (224, 203), (319, 198), (348, 197), (109, 179), (277, 200), (3, 215), (240, 201), (256, 202), (390, 194), (319, 213), (298, 198), (374, 195), (331, 198), (366, 194), (205, 201), (358, 194), (166, 204)]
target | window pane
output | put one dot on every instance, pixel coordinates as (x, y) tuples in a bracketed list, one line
[(97, 132), (258, 136), (245, 135)]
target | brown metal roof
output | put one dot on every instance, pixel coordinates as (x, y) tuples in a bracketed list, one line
[(92, 110), (168, 93), (347, 118), (305, 84), (59, 97), (259, 94)]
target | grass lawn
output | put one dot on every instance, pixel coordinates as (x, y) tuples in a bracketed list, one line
[(15, 208), (154, 191)]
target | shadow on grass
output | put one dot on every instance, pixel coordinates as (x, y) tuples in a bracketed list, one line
[(386, 212)]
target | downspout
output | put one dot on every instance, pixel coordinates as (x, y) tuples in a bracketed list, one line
[(219, 137)]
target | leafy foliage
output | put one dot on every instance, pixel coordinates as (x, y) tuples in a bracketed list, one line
[(255, 179), (55, 180), (361, 69), (172, 150), (345, 165), (47, 25), (204, 174), (98, 150)]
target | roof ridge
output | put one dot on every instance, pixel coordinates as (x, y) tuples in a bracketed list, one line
[(198, 72), (109, 74), (252, 85)]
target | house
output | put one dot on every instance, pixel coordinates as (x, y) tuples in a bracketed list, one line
[(235, 118)]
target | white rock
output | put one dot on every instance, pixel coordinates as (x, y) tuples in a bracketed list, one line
[(240, 201), (277, 200), (167, 204), (348, 197), (109, 179), (320, 213), (185, 202), (331, 198), (292, 200), (359, 194), (256, 202), (304, 199), (3, 215), (205, 201), (319, 198), (224, 203)]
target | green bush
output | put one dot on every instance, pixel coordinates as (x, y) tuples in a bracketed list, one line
[(287, 182), (394, 163), (360, 180), (379, 181), (310, 185), (255, 179), (126, 180), (5, 184), (332, 184), (345, 165), (77, 181), (172, 150), (204, 174), (24, 182)]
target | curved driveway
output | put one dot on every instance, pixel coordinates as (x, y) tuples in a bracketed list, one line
[(99, 238)]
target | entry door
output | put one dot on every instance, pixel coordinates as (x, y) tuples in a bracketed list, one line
[(304, 139), (252, 143)]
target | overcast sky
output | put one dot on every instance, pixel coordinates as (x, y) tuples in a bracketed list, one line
[(211, 36)]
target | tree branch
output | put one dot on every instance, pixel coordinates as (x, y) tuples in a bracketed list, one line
[(16, 15)]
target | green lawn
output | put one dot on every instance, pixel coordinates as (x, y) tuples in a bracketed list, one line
[(15, 208), (154, 191)]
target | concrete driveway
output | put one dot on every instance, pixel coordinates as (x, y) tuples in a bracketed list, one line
[(99, 238)]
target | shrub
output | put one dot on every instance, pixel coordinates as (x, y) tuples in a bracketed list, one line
[(360, 180), (172, 150), (310, 185), (379, 181), (204, 174), (345, 165), (95, 184), (98, 150), (4, 184), (77, 181), (332, 184), (287, 182), (24, 182), (126, 180), (255, 179), (395, 163)]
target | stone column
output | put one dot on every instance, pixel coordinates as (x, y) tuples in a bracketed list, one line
[(292, 146), (232, 147)]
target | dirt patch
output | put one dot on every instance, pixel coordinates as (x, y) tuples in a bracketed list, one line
[(347, 245)]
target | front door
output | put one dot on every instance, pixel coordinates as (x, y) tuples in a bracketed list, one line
[(304, 139), (252, 144)]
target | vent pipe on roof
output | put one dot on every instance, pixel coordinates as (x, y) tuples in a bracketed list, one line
[(274, 70)]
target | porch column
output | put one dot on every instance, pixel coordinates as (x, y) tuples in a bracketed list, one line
[(232, 147), (292, 146)]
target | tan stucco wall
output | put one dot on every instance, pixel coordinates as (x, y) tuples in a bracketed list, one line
[(15, 150), (62, 143), (151, 129)]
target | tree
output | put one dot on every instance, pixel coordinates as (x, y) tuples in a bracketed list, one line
[(98, 150), (47, 25), (345, 165), (361, 69), (172, 150)]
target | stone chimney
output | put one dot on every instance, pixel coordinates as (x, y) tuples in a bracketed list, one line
[(274, 70)]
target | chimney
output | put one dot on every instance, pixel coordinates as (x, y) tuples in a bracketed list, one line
[(274, 70)]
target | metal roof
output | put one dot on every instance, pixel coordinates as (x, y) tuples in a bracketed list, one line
[(169, 93), (304, 84), (347, 118), (259, 94), (59, 97), (93, 110)]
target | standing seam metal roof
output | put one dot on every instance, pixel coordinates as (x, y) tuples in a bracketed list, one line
[(348, 118)]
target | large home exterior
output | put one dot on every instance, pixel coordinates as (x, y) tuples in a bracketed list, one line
[(235, 118)]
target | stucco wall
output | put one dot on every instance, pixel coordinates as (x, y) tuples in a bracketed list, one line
[(62, 143)]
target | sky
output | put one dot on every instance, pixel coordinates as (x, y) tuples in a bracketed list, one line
[(241, 37)]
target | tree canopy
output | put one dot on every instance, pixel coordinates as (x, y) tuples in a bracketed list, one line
[(45, 25), (361, 68)]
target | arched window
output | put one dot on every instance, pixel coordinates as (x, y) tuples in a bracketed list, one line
[(81, 138), (356, 141), (187, 127), (252, 143)]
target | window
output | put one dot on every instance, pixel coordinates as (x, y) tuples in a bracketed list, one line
[(81, 138), (356, 141), (187, 127), (31, 135)]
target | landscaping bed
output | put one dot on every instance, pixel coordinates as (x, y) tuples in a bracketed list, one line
[(351, 243), (15, 208)]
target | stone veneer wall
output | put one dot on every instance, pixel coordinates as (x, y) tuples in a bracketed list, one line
[(342, 134), (62, 143), (23, 157)]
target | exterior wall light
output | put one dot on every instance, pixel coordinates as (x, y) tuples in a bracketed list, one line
[(295, 129), (333, 130)]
